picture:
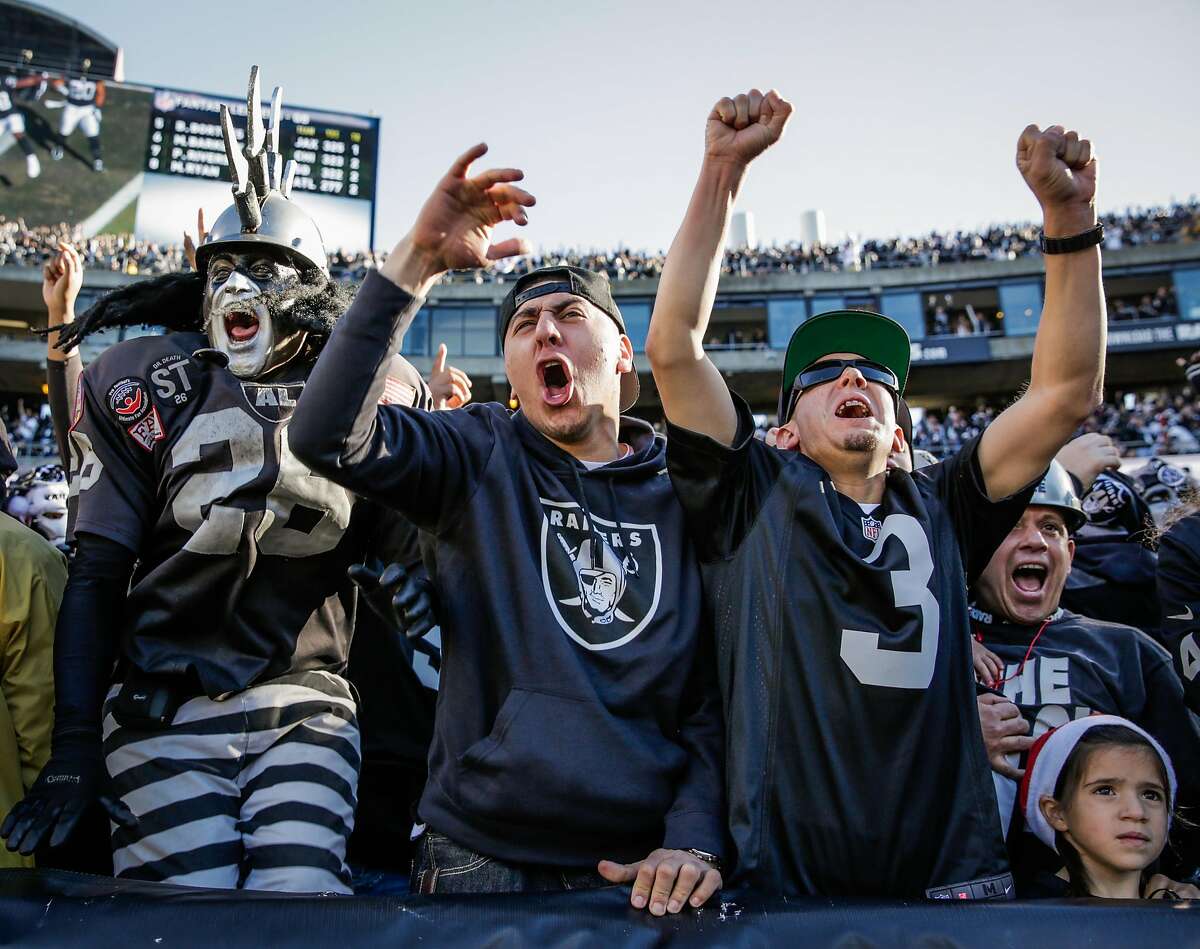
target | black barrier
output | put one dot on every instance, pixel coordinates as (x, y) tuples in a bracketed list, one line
[(53, 908)]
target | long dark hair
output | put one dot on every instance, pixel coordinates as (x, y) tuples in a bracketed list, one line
[(1091, 741), (176, 302)]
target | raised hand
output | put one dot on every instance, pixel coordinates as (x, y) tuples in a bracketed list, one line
[(454, 228), (189, 246), (449, 385), (742, 128), (1060, 169), (62, 278)]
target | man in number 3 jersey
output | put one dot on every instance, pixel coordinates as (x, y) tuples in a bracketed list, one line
[(855, 762), (227, 753)]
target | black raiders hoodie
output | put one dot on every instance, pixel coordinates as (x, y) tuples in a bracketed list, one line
[(577, 715)]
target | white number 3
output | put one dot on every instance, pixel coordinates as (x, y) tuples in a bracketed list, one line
[(899, 668)]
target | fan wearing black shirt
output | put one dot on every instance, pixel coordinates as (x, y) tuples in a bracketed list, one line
[(838, 587)]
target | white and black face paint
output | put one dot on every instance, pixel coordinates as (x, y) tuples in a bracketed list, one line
[(245, 294)]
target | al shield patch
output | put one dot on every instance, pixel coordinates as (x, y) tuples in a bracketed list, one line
[(602, 582), (129, 400)]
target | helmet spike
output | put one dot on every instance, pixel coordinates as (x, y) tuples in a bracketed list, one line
[(238, 170), (289, 175), (274, 158), (273, 120), (255, 136)]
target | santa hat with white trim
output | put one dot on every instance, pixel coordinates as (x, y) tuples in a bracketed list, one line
[(1049, 755)]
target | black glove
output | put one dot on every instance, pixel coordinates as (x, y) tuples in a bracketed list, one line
[(72, 779), (404, 599)]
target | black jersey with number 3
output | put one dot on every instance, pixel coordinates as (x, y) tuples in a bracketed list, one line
[(242, 551), (855, 761)]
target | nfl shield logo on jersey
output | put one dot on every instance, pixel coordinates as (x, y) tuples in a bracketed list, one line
[(871, 528), (602, 580)]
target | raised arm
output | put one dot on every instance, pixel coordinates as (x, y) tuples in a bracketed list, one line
[(339, 429), (1068, 355), (693, 392), (62, 279)]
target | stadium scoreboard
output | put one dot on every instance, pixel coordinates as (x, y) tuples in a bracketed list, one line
[(335, 153)]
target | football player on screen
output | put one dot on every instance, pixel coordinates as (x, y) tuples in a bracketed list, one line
[(13, 122), (81, 109), (206, 625)]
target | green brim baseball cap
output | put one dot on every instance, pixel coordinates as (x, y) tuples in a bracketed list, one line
[(872, 335)]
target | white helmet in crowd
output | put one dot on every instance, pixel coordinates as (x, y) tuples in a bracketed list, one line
[(44, 504)]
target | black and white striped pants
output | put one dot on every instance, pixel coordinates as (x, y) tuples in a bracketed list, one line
[(255, 792)]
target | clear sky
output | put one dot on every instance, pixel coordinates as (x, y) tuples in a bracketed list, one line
[(907, 113)]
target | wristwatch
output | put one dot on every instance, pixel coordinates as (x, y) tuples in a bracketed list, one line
[(1068, 245), (710, 858)]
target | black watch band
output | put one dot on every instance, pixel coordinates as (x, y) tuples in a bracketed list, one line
[(1068, 245)]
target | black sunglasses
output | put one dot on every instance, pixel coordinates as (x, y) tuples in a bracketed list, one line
[(829, 370)]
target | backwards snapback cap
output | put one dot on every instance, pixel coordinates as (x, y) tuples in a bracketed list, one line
[(588, 284), (1048, 757), (872, 335)]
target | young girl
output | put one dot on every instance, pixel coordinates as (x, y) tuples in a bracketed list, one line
[(1100, 791)]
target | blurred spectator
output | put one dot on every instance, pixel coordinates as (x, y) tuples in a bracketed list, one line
[(1165, 422)]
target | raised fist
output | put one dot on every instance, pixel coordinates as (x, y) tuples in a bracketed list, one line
[(742, 128), (62, 278), (1058, 166)]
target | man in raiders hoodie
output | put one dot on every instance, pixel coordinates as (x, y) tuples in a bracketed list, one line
[(1050, 666), (578, 733)]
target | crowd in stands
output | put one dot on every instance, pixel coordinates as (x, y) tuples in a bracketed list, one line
[(24, 246), (30, 431), (21, 245), (1141, 423)]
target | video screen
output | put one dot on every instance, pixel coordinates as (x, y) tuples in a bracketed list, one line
[(120, 158)]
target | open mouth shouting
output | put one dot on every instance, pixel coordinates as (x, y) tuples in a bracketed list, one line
[(241, 326), (854, 407), (1029, 579), (558, 380)]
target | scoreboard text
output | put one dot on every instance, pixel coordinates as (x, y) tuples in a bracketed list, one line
[(335, 154)]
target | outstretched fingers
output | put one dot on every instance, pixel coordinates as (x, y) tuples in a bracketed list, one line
[(513, 247), (462, 163)]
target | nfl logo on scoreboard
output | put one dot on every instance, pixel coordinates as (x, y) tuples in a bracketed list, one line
[(871, 528)]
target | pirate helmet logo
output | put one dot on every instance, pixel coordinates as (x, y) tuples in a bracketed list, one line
[(602, 579)]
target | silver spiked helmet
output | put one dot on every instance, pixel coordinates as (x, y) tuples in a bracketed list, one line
[(262, 211)]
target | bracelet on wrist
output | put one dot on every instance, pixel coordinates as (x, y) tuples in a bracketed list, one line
[(1069, 245)]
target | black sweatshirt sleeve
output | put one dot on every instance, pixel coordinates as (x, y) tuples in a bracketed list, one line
[(85, 638), (423, 464), (62, 381), (1179, 597)]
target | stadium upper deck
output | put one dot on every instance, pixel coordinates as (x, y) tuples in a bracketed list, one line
[(972, 322)]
